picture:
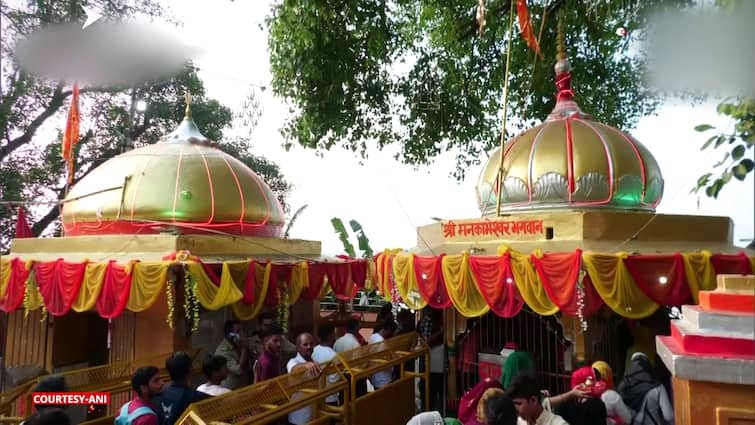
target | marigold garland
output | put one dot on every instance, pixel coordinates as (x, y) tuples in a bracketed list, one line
[(581, 300), (283, 304), (191, 301), (170, 297), (30, 285)]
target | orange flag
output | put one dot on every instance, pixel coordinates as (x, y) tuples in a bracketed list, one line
[(525, 26), (71, 135)]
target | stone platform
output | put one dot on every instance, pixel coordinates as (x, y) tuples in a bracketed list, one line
[(711, 355)]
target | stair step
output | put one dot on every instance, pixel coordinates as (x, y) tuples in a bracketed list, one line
[(701, 342), (718, 321), (726, 301)]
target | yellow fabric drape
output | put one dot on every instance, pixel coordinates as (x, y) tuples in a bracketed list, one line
[(615, 285), (147, 282), (462, 288), (91, 285), (369, 283), (4, 276), (406, 281), (262, 281), (33, 299), (213, 297), (699, 272), (528, 283), (299, 281)]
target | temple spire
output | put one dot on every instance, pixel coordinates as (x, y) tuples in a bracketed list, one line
[(187, 97), (565, 105)]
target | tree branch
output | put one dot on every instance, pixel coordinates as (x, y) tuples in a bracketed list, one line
[(59, 95)]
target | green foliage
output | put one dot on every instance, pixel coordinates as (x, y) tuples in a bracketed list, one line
[(370, 73), (737, 161), (364, 242), (343, 235), (31, 168), (293, 219)]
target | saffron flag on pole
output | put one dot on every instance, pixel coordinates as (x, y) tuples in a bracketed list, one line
[(71, 135), (23, 230), (525, 27)]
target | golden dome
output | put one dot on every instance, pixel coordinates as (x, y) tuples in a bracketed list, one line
[(181, 184), (571, 161)]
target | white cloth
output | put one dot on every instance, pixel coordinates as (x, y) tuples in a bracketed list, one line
[(323, 354), (545, 418), (615, 406), (346, 343), (426, 418), (380, 379), (212, 389), (303, 415)]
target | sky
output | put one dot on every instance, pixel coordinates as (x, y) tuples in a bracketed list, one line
[(389, 199)]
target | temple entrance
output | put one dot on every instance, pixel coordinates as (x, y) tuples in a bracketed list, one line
[(80, 340), (542, 337)]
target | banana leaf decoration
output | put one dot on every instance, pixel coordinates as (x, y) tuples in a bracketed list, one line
[(343, 234), (364, 243)]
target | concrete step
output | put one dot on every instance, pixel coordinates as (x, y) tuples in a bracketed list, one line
[(704, 320), (696, 341), (727, 301), (710, 368)]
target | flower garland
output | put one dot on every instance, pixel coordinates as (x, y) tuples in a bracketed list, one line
[(170, 297), (191, 301), (283, 295), (581, 300), (30, 287)]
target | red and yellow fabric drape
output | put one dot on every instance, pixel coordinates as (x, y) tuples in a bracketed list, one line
[(111, 287), (575, 283)]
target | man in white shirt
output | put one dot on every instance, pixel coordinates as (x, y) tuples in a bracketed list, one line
[(349, 340), (324, 353), (302, 361), (525, 394), (382, 332), (215, 368)]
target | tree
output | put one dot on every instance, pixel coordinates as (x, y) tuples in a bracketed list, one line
[(738, 158), (415, 73), (31, 168)]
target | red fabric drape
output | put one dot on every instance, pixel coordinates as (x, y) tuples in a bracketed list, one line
[(660, 277), (316, 275), (496, 284), (248, 295), (116, 287), (59, 283), (731, 263), (23, 230), (209, 270), (559, 273), (338, 279), (359, 273), (278, 272), (14, 293), (427, 271)]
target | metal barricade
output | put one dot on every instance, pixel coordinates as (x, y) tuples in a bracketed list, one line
[(270, 401)]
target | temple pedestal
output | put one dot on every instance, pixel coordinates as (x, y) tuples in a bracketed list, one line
[(711, 355)]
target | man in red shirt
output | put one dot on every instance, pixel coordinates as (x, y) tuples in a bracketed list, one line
[(147, 384), (268, 364)]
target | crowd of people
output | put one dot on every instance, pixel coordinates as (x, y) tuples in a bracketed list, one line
[(518, 399)]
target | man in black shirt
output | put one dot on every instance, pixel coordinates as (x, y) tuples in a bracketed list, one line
[(178, 394)]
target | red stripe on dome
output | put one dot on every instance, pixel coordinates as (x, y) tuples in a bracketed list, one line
[(639, 158), (535, 141), (241, 192), (189, 228), (209, 181), (178, 177), (569, 157), (138, 185), (611, 170), (257, 180)]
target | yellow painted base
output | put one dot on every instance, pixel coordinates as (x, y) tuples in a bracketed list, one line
[(595, 230), (708, 403), (211, 248)]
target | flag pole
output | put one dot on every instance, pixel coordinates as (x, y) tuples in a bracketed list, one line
[(499, 181)]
